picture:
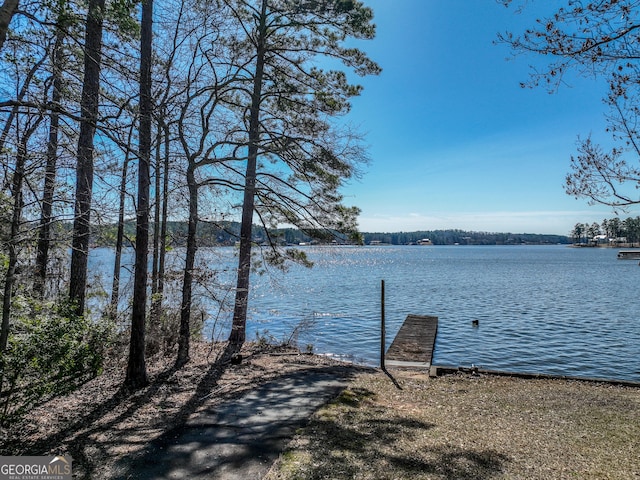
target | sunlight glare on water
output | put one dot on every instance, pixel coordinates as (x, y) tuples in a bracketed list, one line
[(540, 309)]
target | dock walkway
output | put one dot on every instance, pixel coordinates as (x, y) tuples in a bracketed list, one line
[(413, 345)]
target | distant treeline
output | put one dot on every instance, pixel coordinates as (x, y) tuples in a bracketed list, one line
[(461, 237), (227, 233)]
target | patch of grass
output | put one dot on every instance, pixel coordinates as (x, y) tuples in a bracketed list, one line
[(352, 398), (464, 427), (292, 463)]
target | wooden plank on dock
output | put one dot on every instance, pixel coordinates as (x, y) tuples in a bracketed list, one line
[(414, 343)]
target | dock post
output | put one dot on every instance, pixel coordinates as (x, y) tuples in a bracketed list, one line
[(382, 326)]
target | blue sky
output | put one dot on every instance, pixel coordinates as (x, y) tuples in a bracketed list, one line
[(455, 142)]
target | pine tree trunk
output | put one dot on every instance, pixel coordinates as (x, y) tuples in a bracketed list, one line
[(84, 168), (157, 311), (156, 213), (156, 300), (238, 327), (163, 220), (115, 285), (187, 283), (46, 217), (136, 368)]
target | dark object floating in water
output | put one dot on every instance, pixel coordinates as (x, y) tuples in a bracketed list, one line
[(475, 323)]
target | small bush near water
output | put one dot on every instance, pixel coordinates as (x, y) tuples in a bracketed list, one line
[(51, 351)]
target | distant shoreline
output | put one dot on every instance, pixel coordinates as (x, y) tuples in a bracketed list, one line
[(605, 245)]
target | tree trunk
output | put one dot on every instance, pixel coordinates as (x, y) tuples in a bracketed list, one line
[(187, 283), (12, 244), (136, 368), (84, 168), (7, 10), (160, 243), (46, 218), (156, 212), (115, 286), (238, 327), (9, 280), (156, 301), (163, 220)]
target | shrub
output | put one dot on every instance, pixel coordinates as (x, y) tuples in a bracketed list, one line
[(51, 352)]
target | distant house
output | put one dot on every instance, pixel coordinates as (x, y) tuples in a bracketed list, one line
[(600, 239), (425, 241)]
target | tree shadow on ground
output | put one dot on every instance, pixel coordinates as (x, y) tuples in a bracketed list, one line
[(88, 439), (240, 437), (346, 446)]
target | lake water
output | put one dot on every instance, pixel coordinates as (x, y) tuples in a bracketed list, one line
[(541, 309)]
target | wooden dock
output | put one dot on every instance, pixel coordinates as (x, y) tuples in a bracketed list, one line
[(414, 343)]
